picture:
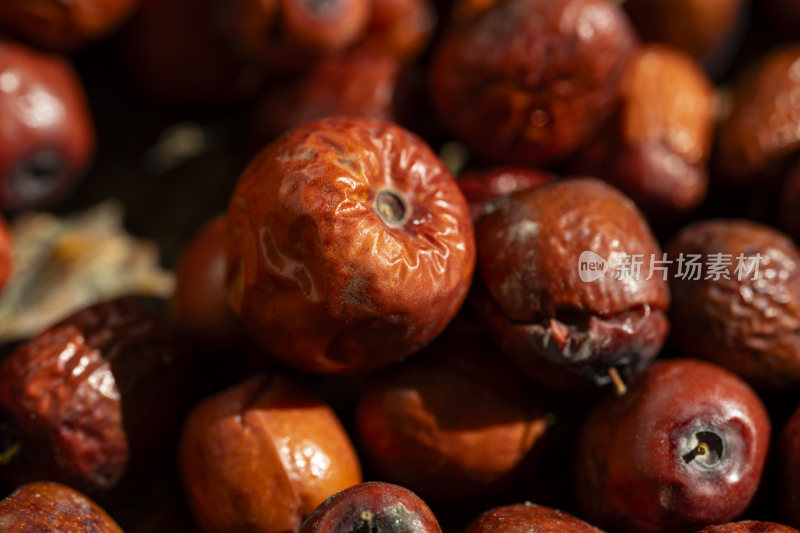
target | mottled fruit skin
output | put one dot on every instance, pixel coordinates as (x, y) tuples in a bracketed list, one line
[(259, 457), (92, 397), (174, 56), (481, 187), (752, 326), (657, 148), (454, 424), (45, 507), (351, 246), (286, 35), (6, 253), (527, 517), (789, 481), (749, 526), (789, 215), (46, 132), (63, 25), (373, 507), (199, 304), (704, 29), (559, 330), (763, 127), (683, 448), (530, 81), (355, 84)]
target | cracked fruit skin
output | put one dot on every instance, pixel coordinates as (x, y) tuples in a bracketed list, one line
[(261, 456), (683, 448), (527, 517), (46, 506), (559, 330), (46, 132), (350, 246), (530, 81), (749, 526), (375, 507), (751, 327), (92, 397)]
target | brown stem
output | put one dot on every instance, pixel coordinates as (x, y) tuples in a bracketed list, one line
[(616, 379)]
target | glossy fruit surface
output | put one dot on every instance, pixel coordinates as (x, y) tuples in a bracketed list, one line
[(683, 448), (261, 456), (560, 326), (480, 187), (63, 25), (90, 398), (530, 81), (454, 424), (789, 480), (374, 507), (351, 246), (741, 318), (527, 517), (46, 133), (49, 507)]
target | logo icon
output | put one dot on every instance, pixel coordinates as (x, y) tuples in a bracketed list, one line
[(591, 267)]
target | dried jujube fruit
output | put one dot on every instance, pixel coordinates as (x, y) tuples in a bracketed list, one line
[(789, 474), (398, 28), (91, 398), (560, 323), (454, 424), (685, 447), (529, 81), (46, 132), (480, 187), (656, 149), (6, 253), (261, 456), (527, 517), (762, 132), (742, 311), (749, 526), (46, 507), (63, 25), (373, 507), (351, 246)]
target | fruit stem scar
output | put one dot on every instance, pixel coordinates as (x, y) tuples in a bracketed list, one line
[(8, 455), (616, 379), (391, 207)]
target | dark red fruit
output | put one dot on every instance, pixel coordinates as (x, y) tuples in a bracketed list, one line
[(6, 253), (91, 398), (46, 134), (747, 325), (526, 518), (351, 246), (749, 526), (482, 187), (372, 507), (398, 28), (684, 447), (529, 81), (790, 198), (559, 329), (789, 460)]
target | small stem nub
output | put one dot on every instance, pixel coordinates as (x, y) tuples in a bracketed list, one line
[(8, 455), (616, 379)]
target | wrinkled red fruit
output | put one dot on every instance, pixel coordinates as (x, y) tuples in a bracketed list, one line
[(63, 25), (287, 34), (46, 134), (789, 459), (683, 448), (762, 131), (261, 456), (89, 399), (355, 84), (174, 56), (482, 187), (747, 325), (525, 518), (657, 148), (749, 526), (563, 331), (532, 80), (351, 246), (374, 507), (6, 253), (45, 506), (454, 424), (199, 304)]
